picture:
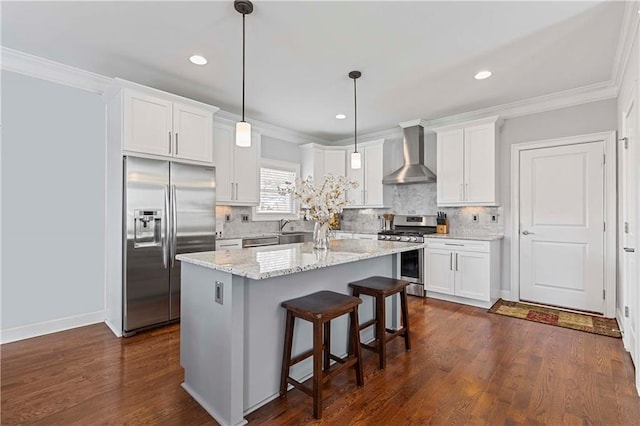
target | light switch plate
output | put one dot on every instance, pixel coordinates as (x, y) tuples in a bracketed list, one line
[(245, 218), (475, 218), (494, 218), (227, 217)]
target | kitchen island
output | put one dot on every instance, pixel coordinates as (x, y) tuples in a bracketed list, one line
[(232, 325)]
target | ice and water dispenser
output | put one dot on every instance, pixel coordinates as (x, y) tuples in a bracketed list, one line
[(147, 228)]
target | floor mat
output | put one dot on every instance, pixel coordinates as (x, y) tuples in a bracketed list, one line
[(583, 322)]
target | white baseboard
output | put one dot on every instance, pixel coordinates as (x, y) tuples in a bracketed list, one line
[(209, 409), (47, 327), (113, 329), (506, 295), (621, 324)]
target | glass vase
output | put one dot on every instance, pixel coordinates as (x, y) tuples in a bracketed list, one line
[(321, 235)]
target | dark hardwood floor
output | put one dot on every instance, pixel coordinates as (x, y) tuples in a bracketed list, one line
[(466, 367)]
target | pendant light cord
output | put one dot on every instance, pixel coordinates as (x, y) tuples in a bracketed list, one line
[(243, 65), (355, 116)]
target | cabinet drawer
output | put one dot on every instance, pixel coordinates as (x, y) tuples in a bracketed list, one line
[(229, 244), (451, 244)]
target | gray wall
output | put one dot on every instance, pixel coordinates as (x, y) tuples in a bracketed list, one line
[(577, 120), (276, 149), (53, 168)]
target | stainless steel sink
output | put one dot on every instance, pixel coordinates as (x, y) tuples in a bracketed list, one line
[(295, 237)]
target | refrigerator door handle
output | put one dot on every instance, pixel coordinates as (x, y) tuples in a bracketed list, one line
[(165, 227), (174, 227)]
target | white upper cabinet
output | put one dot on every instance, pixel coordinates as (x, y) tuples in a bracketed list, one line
[(318, 160), (237, 168), (370, 193), (148, 124), (161, 125), (335, 162), (467, 164), (193, 129)]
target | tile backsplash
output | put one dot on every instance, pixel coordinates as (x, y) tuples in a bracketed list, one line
[(414, 199), (235, 227)]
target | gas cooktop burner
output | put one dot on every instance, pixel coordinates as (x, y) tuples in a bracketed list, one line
[(409, 229)]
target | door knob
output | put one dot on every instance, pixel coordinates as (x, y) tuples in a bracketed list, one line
[(527, 233), (629, 250)]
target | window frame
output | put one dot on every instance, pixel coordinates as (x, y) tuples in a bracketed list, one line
[(287, 166)]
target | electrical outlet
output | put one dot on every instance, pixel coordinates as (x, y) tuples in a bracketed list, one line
[(245, 218), (475, 218), (227, 217), (494, 218)]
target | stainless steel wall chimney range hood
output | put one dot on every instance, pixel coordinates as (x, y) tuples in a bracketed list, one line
[(413, 170)]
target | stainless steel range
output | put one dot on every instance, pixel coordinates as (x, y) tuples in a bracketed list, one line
[(411, 229)]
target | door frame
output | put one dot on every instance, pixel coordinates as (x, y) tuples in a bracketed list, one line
[(628, 100), (610, 210)]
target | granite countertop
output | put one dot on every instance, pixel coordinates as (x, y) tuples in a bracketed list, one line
[(272, 261), (467, 236)]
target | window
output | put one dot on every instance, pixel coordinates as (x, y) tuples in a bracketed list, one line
[(274, 205)]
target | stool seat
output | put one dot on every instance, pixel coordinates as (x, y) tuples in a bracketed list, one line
[(383, 285), (380, 288), (322, 305), (320, 308)]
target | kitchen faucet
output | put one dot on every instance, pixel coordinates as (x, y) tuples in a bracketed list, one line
[(283, 223)]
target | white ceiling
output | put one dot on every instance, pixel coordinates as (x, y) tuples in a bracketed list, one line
[(417, 58)]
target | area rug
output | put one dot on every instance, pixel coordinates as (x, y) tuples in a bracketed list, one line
[(583, 322)]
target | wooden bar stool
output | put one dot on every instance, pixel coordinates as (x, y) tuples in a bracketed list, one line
[(380, 288), (319, 309)]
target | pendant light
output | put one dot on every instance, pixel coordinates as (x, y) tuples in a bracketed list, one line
[(356, 159), (243, 129)]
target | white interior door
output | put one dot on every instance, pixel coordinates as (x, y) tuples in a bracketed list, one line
[(628, 206), (562, 226)]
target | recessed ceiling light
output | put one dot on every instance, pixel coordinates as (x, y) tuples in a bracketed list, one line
[(198, 60), (341, 116), (482, 75)]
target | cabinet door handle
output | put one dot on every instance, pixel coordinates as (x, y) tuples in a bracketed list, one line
[(236, 191), (457, 262), (169, 142), (451, 261), (232, 195), (176, 143)]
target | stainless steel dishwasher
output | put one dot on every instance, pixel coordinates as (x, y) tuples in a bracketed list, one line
[(260, 241)]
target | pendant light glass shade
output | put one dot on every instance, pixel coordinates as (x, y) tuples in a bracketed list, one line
[(356, 160), (243, 134)]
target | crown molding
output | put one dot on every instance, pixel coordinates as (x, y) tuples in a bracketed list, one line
[(411, 123), (271, 130), (45, 69), (393, 133), (628, 32)]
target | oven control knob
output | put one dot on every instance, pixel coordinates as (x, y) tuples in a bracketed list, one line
[(397, 238), (388, 237), (413, 239)]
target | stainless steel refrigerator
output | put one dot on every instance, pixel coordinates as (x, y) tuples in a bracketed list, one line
[(169, 208)]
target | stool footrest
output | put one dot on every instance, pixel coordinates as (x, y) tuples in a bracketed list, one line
[(367, 324), (296, 384), (335, 369), (301, 357)]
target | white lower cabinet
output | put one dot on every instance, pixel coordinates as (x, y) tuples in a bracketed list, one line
[(464, 271), (232, 244)]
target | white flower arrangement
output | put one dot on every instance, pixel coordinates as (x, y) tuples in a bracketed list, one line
[(321, 202)]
